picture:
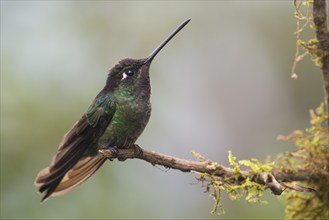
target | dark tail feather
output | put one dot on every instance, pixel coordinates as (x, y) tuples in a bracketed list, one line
[(54, 185)]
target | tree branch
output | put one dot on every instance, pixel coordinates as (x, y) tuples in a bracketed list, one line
[(273, 181), (169, 161), (322, 35)]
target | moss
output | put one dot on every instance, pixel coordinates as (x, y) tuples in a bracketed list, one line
[(312, 157), (237, 186)]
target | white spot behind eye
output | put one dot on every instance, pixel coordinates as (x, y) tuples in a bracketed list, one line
[(124, 75)]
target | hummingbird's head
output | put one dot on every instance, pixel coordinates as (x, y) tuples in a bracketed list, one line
[(133, 74), (129, 73)]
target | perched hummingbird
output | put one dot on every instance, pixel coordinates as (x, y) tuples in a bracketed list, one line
[(115, 119)]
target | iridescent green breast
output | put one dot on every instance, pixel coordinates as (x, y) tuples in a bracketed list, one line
[(126, 127), (128, 122)]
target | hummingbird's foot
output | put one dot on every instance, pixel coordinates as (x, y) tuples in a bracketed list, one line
[(114, 151), (138, 150)]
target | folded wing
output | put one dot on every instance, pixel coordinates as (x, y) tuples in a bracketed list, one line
[(71, 166)]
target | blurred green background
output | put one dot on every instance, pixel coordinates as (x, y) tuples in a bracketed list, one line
[(223, 83)]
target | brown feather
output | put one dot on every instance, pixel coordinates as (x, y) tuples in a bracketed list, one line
[(78, 174)]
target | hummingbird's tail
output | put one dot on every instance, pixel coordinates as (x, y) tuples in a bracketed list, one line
[(79, 173), (76, 160)]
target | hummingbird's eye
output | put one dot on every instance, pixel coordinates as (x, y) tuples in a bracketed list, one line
[(130, 72)]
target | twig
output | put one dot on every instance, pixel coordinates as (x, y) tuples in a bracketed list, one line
[(306, 19)]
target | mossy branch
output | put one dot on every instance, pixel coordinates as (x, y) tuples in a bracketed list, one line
[(212, 168), (154, 158), (234, 176), (322, 36)]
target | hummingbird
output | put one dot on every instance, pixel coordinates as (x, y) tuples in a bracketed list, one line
[(114, 120)]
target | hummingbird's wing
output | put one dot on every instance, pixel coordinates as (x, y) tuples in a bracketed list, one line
[(71, 166)]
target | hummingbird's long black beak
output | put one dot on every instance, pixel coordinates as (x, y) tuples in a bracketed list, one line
[(156, 51)]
